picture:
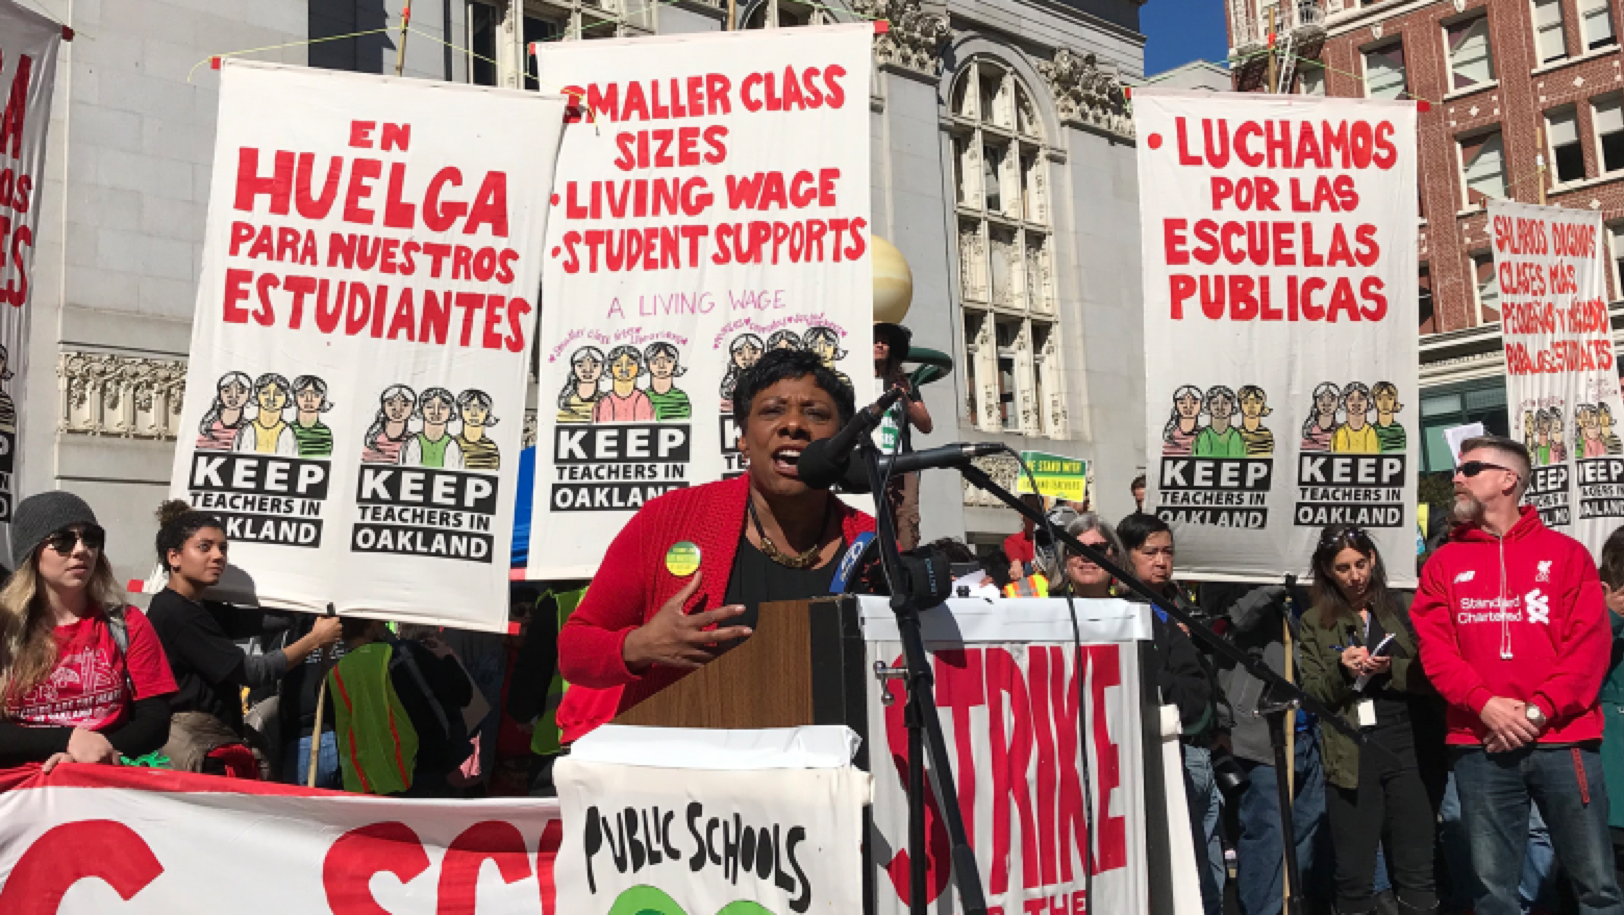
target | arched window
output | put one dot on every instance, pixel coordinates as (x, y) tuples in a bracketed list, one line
[(1005, 253), (771, 14)]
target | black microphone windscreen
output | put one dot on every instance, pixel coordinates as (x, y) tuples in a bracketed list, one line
[(817, 468)]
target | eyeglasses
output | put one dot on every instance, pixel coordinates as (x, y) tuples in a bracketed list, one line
[(94, 537), (1474, 468)]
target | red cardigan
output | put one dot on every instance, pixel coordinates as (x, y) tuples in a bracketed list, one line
[(633, 583)]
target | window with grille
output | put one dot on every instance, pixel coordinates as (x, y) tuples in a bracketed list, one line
[(1470, 61), (1006, 273), (1384, 72), (1608, 116), (1596, 22), (1550, 43), (1567, 155), (1483, 166)]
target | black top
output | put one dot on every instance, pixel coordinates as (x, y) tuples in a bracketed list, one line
[(755, 579), (208, 666), (300, 687), (1392, 704)]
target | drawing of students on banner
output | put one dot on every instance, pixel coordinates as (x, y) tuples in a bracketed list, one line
[(1220, 439), (433, 445), (8, 408), (224, 418), (784, 340), (388, 432), (1604, 422), (1254, 407), (581, 391), (1541, 452), (1178, 436), (1356, 434), (1559, 446), (479, 453), (664, 366), (268, 433), (824, 342), (312, 437), (1529, 426), (1321, 426), (1389, 432), (624, 402), (743, 353)]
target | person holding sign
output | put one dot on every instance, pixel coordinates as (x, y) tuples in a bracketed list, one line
[(685, 576), (1359, 657), (1513, 629)]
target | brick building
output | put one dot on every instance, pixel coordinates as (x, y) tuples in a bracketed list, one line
[(1493, 72)]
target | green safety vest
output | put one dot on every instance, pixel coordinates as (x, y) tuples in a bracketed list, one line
[(377, 744), (547, 739)]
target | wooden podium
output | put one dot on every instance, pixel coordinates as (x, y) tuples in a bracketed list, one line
[(802, 666)]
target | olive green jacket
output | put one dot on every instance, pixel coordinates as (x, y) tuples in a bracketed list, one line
[(1324, 678)]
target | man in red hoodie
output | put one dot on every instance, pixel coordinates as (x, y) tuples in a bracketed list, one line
[(1513, 628)]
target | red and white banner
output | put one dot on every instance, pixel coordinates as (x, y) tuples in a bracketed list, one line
[(712, 203), (356, 394), (1007, 688), (1562, 388), (1280, 277), (28, 49), (99, 839)]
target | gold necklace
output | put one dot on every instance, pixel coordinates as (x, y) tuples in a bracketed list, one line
[(806, 559)]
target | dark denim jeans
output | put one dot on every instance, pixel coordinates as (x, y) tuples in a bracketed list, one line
[(1495, 790), (1258, 857)]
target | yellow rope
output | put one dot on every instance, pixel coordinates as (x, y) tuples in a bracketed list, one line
[(290, 44)]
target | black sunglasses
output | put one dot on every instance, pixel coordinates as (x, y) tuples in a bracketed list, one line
[(1348, 535), (1474, 468), (93, 537)]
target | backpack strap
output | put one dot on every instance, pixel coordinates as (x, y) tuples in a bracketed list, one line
[(403, 653), (119, 627)]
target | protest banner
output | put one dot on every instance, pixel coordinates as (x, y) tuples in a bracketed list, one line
[(1561, 376), (365, 313), (1007, 687), (724, 822), (102, 839), (28, 49), (1057, 476), (712, 204), (1280, 277)]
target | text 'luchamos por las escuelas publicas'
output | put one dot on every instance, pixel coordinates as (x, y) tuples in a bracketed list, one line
[(682, 138), (364, 246), (1260, 221), (1548, 328)]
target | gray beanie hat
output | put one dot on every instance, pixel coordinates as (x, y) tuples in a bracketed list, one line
[(41, 515)]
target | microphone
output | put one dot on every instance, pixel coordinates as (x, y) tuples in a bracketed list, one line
[(823, 462), (853, 475)]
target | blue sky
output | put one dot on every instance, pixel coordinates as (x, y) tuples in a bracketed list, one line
[(1179, 31)]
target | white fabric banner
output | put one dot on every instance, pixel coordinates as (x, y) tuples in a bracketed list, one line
[(356, 393), (28, 49), (1009, 709), (712, 203), (1562, 389), (1279, 246), (672, 840), (100, 839)]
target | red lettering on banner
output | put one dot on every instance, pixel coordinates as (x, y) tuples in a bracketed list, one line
[(58, 860), (356, 856), (552, 837), (497, 841), (11, 123), (1011, 757), (938, 866), (1111, 832)]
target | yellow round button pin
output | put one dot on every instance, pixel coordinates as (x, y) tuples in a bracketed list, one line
[(682, 559)]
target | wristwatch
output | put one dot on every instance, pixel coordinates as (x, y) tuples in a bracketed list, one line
[(1535, 714)]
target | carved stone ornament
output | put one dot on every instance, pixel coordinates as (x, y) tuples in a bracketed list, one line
[(915, 39), (1087, 93), (109, 394), (1004, 471)]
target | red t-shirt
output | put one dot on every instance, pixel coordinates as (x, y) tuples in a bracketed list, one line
[(86, 689), (1020, 547)]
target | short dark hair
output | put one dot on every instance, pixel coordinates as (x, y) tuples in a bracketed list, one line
[(1612, 559), (1505, 446), (1137, 528), (1138, 483), (777, 365)]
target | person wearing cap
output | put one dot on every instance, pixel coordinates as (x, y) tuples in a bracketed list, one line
[(83, 678), (891, 345)]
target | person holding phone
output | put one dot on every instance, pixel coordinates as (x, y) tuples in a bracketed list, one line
[(1360, 657)]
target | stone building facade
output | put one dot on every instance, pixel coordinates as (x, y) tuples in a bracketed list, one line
[(1505, 83), (1002, 168)]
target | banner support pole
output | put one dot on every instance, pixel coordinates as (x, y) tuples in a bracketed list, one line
[(400, 49)]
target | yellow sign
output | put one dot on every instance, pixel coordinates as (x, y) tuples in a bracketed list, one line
[(1057, 476), (682, 559)]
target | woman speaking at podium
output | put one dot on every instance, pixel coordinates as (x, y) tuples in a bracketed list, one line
[(687, 573)]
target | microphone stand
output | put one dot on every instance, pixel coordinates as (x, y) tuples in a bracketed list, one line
[(923, 721), (1280, 696)]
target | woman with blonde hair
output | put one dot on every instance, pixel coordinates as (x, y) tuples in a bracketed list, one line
[(83, 678)]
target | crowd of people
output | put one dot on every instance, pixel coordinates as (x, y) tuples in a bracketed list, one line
[(1478, 780)]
